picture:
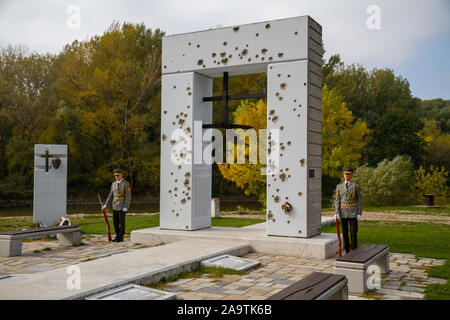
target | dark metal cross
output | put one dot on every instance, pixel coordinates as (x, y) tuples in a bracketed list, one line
[(46, 156), (225, 98)]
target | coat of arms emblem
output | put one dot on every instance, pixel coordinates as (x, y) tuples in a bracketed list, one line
[(56, 162)]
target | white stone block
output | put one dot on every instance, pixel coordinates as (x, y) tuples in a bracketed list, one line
[(69, 238), (230, 262), (185, 186), (241, 49), (10, 248), (133, 292), (287, 111), (215, 208), (50, 184)]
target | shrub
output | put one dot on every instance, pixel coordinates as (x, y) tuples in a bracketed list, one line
[(431, 182), (388, 184)]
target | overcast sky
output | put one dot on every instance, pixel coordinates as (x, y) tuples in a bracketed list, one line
[(413, 38)]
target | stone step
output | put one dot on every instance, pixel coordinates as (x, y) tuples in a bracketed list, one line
[(322, 246)]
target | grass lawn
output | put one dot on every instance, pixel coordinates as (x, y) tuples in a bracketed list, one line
[(426, 240), (94, 224), (97, 226), (212, 272), (443, 210)]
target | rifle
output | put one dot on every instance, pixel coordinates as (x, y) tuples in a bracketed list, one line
[(105, 217), (339, 236)]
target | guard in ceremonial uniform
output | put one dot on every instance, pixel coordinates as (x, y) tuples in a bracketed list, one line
[(348, 207), (121, 197)]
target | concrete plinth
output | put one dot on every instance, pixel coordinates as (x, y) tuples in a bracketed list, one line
[(10, 248), (69, 238), (321, 247), (215, 208), (358, 273)]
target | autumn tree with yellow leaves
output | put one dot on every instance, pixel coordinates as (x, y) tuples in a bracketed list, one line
[(247, 176), (342, 137), (342, 142)]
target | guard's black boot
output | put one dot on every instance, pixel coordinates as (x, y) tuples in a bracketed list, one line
[(116, 239)]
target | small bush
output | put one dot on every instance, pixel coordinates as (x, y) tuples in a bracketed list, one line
[(388, 184)]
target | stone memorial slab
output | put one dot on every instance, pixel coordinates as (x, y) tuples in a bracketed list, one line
[(132, 292), (50, 183), (230, 262)]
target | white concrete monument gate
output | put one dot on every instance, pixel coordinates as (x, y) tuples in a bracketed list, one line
[(50, 183), (290, 51)]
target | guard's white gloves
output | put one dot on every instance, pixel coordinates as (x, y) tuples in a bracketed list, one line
[(124, 209), (358, 217), (336, 215), (104, 207)]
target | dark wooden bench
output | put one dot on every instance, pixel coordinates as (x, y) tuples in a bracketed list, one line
[(359, 264), (316, 286), (11, 242)]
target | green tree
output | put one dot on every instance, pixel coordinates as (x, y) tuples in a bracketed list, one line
[(25, 97), (437, 144), (27, 104), (438, 110), (439, 151), (395, 133), (368, 94), (109, 88)]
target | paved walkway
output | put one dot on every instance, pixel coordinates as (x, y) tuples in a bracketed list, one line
[(406, 280), (44, 255), (147, 264)]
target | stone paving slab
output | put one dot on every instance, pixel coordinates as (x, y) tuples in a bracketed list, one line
[(109, 272), (278, 272), (406, 270)]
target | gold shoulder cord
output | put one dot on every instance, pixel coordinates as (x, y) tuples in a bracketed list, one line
[(353, 196)]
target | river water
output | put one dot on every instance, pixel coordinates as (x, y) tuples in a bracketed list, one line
[(150, 208)]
